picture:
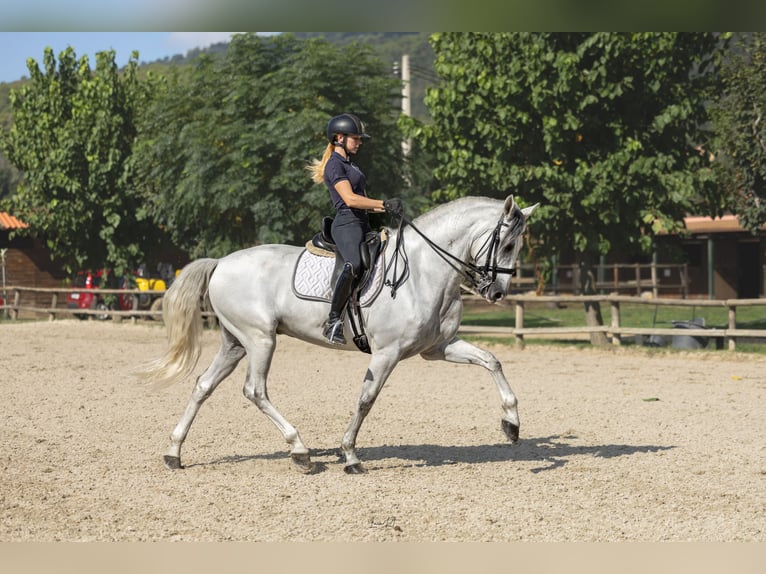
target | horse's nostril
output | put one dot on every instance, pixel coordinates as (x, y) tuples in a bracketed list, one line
[(497, 296)]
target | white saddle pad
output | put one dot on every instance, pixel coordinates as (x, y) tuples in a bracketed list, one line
[(312, 279)]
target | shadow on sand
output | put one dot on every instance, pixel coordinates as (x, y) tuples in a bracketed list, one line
[(551, 452)]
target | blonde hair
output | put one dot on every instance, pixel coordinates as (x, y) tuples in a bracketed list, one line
[(316, 167)]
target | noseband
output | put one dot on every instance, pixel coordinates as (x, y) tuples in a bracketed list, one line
[(490, 265)]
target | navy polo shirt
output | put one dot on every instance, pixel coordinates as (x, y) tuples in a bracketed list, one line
[(339, 168)]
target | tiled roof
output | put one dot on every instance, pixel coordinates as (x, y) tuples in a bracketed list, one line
[(8, 221)]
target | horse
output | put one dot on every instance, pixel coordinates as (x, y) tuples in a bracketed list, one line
[(472, 241)]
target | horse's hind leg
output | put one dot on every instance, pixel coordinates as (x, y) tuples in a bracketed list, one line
[(458, 351), (260, 355), (227, 358)]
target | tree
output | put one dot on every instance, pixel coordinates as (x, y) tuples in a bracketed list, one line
[(72, 133), (222, 154), (741, 126), (602, 129)]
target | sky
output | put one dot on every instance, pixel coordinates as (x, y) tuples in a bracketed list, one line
[(16, 47)]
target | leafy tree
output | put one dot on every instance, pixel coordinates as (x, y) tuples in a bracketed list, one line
[(603, 129), (222, 153), (741, 126), (9, 178), (72, 133)]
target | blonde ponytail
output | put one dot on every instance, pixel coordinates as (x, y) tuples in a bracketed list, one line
[(316, 167)]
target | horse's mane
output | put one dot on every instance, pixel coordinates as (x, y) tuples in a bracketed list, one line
[(456, 208)]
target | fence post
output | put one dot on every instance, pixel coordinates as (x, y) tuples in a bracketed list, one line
[(732, 341), (615, 310), (54, 304), (16, 301), (519, 324)]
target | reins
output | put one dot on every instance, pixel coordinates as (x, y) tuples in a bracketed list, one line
[(479, 277)]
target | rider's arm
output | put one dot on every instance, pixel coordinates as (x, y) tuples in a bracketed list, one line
[(354, 201)]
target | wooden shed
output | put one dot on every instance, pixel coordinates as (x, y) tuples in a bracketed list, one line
[(26, 261), (724, 260)]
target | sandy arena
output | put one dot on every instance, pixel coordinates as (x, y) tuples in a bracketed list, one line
[(616, 445)]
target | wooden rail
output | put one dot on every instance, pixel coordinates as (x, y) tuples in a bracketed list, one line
[(615, 330), (57, 308), (610, 278)]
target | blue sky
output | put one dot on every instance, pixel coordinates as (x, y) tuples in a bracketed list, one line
[(16, 47)]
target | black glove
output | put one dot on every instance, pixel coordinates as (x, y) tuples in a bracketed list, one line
[(394, 206)]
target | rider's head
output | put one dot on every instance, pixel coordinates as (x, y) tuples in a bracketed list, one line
[(341, 127)]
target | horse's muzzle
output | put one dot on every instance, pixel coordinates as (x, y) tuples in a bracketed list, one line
[(493, 293)]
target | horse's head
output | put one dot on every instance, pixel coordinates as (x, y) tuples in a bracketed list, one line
[(497, 259)]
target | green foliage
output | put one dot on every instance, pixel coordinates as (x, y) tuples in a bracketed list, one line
[(72, 134), (390, 47), (741, 127), (222, 152), (600, 128)]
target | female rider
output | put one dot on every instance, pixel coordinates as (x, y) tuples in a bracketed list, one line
[(346, 184)]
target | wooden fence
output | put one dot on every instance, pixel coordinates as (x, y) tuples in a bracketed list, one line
[(614, 330), (623, 278), (58, 304), (727, 337)]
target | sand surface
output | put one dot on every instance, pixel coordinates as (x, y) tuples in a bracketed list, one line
[(616, 445)]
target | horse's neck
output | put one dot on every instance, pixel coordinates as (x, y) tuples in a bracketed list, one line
[(457, 228)]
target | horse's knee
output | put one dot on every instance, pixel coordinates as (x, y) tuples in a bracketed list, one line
[(490, 362)]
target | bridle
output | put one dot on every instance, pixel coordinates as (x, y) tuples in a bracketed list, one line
[(478, 277)]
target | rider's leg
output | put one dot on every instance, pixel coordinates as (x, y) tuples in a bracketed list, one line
[(343, 288), (348, 230)]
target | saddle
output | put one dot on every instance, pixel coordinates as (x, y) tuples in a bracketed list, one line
[(323, 244)]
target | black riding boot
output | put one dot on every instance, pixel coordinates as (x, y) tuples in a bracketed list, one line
[(343, 288)]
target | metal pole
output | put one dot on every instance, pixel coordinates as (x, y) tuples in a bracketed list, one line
[(5, 295), (710, 268), (406, 100)]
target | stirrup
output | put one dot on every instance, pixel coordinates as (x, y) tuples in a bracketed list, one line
[(334, 332)]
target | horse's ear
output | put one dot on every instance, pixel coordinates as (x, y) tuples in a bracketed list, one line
[(509, 203), (527, 211)]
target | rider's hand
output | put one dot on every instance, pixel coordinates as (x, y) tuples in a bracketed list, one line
[(394, 206)]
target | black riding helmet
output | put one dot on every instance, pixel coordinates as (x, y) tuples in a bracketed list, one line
[(346, 124)]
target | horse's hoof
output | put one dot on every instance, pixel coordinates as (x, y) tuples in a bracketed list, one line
[(172, 462), (511, 431), (303, 463), (356, 468)]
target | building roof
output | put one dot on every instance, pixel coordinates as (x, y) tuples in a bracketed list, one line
[(725, 224), (8, 221)]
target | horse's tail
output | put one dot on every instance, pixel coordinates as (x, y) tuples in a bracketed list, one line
[(182, 315)]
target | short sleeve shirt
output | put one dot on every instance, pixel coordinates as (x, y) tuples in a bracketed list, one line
[(338, 169)]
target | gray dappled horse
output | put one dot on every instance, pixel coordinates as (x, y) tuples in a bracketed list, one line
[(474, 240)]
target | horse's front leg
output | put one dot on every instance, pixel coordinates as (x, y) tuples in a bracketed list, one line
[(459, 351), (379, 369)]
